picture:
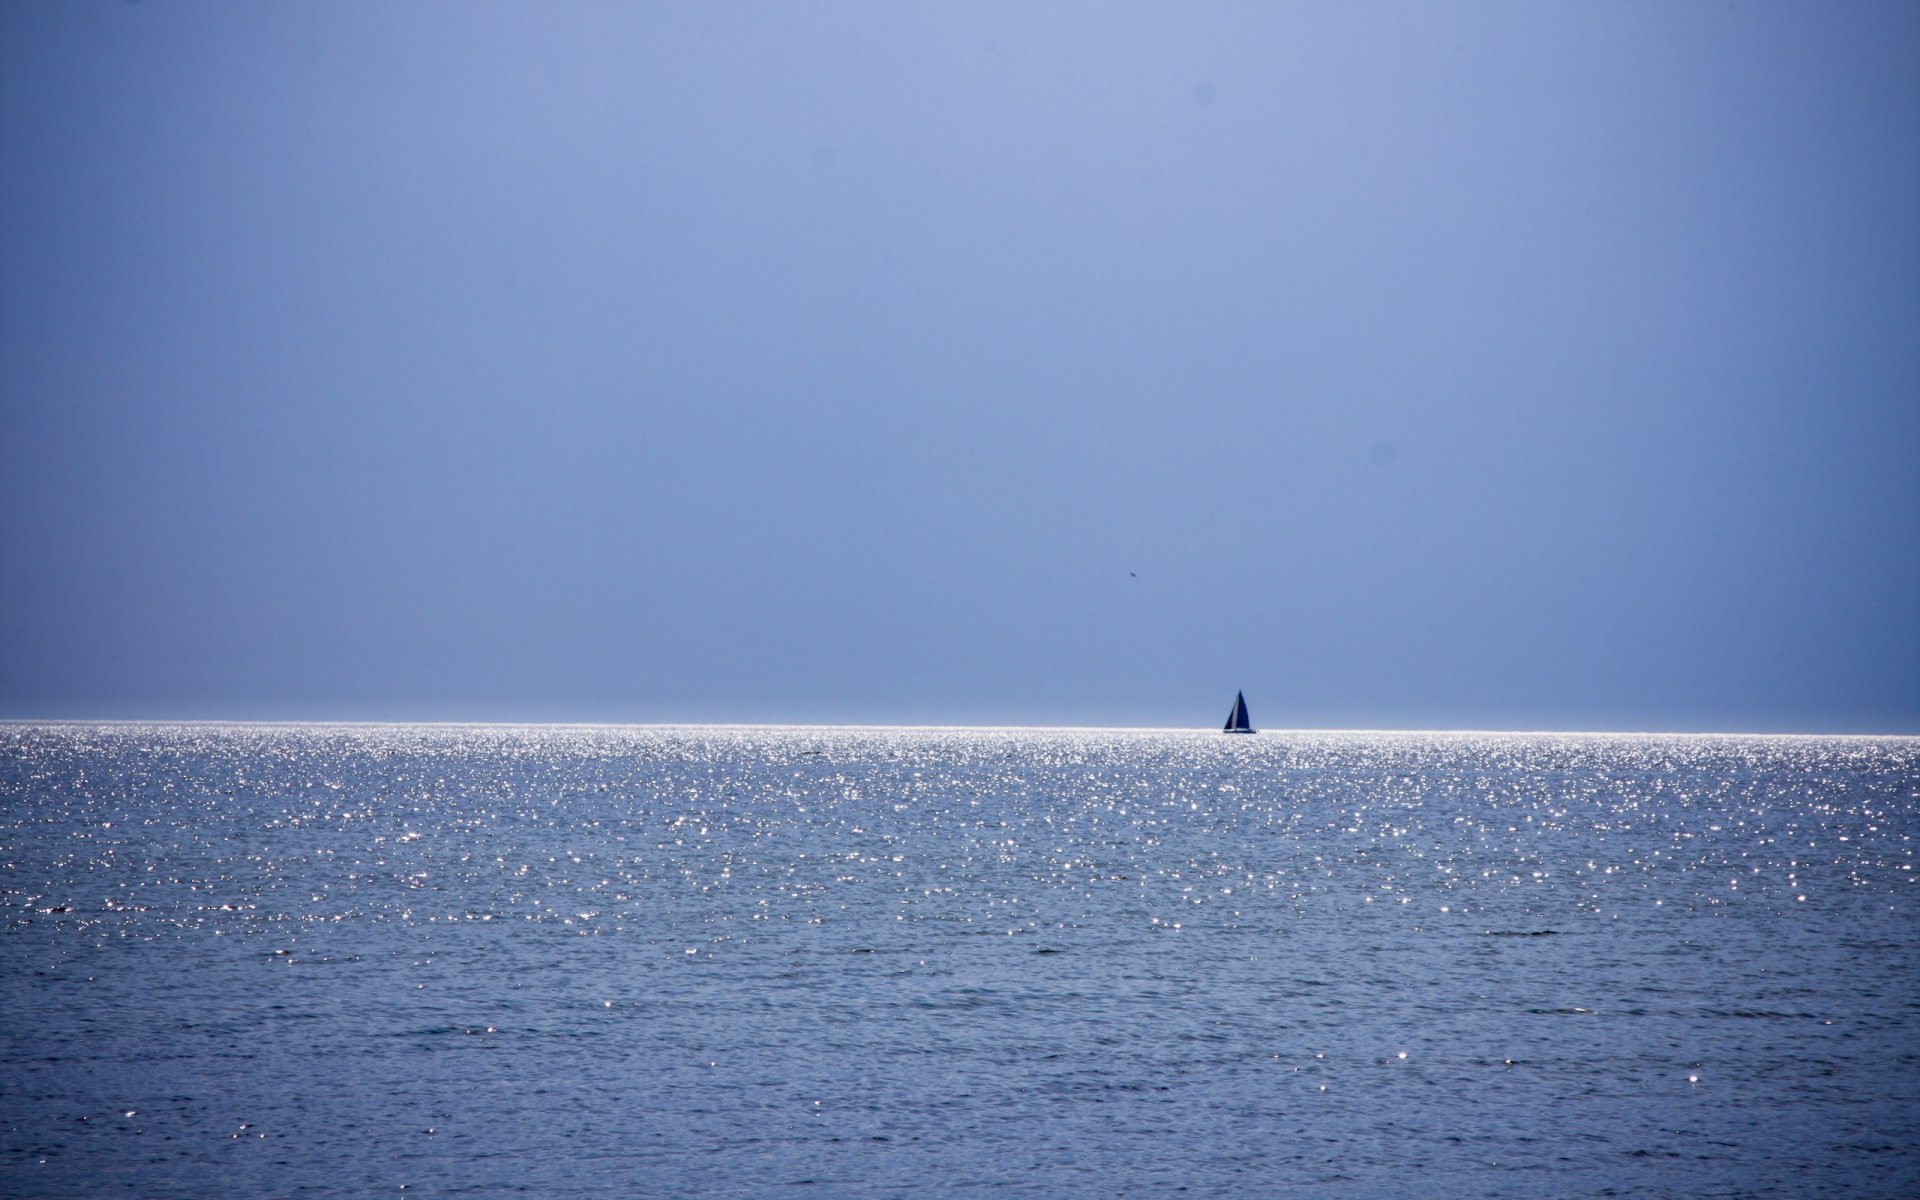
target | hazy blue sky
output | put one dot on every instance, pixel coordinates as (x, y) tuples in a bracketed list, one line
[(1407, 365)]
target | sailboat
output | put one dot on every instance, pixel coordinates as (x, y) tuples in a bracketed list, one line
[(1237, 721)]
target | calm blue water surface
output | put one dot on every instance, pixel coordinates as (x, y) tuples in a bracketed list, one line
[(569, 962)]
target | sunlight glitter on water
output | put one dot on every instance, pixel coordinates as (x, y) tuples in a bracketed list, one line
[(1078, 934)]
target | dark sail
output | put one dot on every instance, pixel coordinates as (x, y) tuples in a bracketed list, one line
[(1237, 721)]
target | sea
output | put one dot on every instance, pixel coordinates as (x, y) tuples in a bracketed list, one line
[(360, 960)]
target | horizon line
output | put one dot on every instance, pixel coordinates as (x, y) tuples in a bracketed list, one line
[(362, 723)]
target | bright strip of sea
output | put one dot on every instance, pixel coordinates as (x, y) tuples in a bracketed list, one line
[(253, 960)]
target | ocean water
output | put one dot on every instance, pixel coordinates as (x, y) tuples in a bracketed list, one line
[(570, 962)]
